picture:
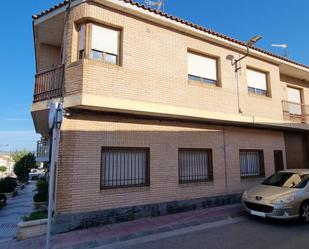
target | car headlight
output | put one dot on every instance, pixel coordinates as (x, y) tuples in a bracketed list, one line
[(245, 195), (283, 200)]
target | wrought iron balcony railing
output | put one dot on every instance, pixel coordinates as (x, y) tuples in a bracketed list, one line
[(43, 150), (48, 84), (295, 112)]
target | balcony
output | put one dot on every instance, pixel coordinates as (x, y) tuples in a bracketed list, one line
[(295, 112), (43, 150), (48, 84)]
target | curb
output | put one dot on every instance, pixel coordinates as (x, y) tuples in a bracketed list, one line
[(164, 229)]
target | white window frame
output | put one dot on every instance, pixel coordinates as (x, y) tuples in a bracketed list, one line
[(106, 51), (257, 82), (202, 68), (82, 41), (294, 104)]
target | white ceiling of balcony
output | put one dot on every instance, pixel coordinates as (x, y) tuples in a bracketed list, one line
[(50, 31), (292, 71)]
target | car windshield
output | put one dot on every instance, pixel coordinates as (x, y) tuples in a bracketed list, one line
[(287, 180)]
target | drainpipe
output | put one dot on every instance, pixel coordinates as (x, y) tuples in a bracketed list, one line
[(56, 136), (55, 120), (64, 47), (225, 159), (51, 185)]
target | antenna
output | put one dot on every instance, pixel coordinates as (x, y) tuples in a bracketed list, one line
[(159, 4), (284, 46)]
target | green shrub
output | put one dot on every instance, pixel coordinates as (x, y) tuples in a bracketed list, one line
[(42, 190), (36, 216), (41, 185), (40, 197), (7, 184)]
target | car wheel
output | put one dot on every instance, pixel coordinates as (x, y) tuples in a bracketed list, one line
[(304, 212)]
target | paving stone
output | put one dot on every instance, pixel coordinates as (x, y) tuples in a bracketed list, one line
[(13, 212)]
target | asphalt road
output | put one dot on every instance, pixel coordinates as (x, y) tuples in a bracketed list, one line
[(245, 233)]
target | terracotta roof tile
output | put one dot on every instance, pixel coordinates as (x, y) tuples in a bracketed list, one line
[(57, 6), (180, 20)]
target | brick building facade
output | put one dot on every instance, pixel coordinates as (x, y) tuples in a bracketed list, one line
[(134, 91)]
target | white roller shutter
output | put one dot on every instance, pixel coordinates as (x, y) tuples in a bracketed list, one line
[(257, 80), (81, 37), (202, 66), (104, 39), (294, 97)]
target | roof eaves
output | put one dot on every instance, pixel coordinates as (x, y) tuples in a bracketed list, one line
[(185, 22), (45, 12)]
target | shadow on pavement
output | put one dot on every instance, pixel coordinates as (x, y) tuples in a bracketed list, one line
[(276, 222)]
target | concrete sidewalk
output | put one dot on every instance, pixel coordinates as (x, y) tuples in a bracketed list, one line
[(104, 235), (14, 210)]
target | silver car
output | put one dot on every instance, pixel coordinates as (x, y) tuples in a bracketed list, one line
[(284, 195)]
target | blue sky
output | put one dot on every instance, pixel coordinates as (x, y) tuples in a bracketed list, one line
[(277, 21)]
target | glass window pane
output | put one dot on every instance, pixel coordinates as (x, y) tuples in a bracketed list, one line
[(124, 167), (194, 165), (110, 58), (105, 39), (97, 55), (250, 164), (256, 79)]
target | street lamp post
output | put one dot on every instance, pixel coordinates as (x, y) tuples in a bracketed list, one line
[(55, 120), (249, 44)]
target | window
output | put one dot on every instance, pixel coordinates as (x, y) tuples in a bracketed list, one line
[(202, 68), (278, 158), (105, 44), (81, 41), (124, 167), (195, 165), (294, 98), (287, 180), (257, 82), (251, 163)]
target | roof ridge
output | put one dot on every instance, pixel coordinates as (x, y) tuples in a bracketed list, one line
[(185, 22)]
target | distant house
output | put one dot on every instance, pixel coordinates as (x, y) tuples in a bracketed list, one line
[(7, 161)]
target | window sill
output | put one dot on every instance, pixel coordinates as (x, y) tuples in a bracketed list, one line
[(265, 97), (196, 183), (203, 84), (251, 178), (75, 63), (127, 189), (102, 63)]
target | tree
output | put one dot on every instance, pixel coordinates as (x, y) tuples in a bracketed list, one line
[(23, 165), (17, 155), (2, 168)]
